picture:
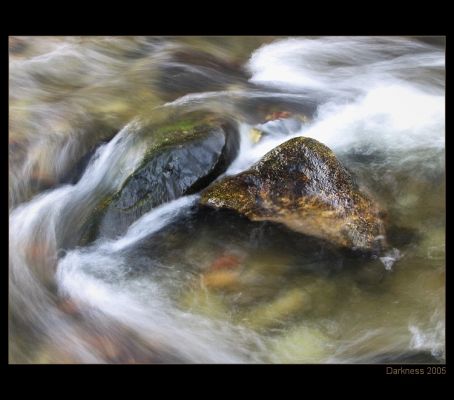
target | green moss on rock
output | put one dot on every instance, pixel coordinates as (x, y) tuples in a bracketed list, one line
[(183, 156)]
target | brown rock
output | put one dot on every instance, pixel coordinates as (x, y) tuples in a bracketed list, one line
[(302, 185)]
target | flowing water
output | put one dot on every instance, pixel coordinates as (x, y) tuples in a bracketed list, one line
[(151, 295)]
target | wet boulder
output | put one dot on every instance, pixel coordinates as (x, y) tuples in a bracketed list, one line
[(183, 158), (302, 185)]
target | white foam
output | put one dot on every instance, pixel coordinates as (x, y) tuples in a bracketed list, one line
[(390, 258), (97, 280), (339, 65), (432, 339)]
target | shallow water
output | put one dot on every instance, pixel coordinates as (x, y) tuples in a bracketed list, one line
[(188, 285)]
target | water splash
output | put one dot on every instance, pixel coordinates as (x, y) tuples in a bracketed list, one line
[(390, 258)]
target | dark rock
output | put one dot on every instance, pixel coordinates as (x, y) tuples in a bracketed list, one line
[(184, 158), (301, 184)]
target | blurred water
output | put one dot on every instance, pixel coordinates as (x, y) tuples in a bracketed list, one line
[(152, 295)]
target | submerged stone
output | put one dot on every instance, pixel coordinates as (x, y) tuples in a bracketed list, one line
[(303, 344), (220, 279), (277, 124), (204, 302), (184, 72), (225, 262), (282, 309), (302, 185)]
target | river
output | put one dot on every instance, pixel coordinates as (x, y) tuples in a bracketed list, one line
[(377, 102)]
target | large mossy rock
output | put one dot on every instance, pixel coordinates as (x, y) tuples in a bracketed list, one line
[(302, 184), (183, 158)]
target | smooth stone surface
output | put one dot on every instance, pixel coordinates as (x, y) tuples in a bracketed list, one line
[(183, 158)]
